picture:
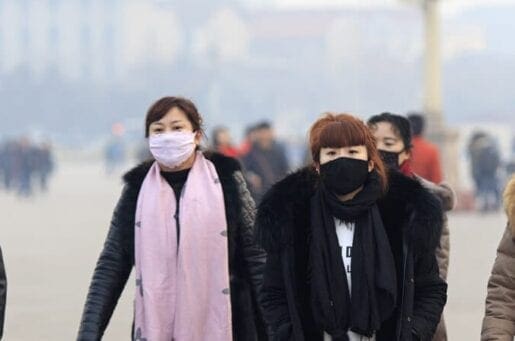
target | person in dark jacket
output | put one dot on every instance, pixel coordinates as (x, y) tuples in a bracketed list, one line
[(485, 161), (3, 294), (394, 142), (412, 220), (266, 162), (199, 282)]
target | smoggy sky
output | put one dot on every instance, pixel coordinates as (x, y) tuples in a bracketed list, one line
[(449, 7)]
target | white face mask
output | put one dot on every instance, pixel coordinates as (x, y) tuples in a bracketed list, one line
[(172, 149)]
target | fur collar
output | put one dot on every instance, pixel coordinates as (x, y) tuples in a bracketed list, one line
[(225, 166), (442, 191), (509, 203), (287, 198), (423, 210), (291, 196)]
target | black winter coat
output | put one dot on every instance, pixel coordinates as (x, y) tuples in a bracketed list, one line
[(246, 261), (412, 218), (3, 293)]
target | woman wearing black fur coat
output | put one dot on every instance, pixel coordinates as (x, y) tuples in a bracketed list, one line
[(184, 221), (305, 295)]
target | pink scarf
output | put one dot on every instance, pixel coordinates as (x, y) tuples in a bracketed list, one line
[(182, 292)]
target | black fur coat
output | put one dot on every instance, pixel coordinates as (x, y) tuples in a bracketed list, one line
[(246, 261), (412, 218)]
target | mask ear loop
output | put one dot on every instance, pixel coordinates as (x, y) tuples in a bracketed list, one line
[(316, 167), (199, 134), (398, 153), (373, 165)]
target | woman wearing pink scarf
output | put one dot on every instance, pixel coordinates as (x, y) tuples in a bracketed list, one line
[(184, 221)]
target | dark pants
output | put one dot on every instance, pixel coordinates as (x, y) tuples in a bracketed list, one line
[(488, 192)]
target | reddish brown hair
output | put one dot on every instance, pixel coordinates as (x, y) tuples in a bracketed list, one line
[(344, 130), (160, 108)]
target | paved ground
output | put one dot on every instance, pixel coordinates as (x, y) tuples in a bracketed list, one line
[(51, 244), (474, 240)]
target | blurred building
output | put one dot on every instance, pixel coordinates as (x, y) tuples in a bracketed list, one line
[(106, 60), (86, 39), (106, 40)]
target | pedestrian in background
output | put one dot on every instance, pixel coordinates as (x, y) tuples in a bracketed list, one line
[(10, 160), (393, 136), (44, 164), (3, 293), (424, 155), (485, 160), (266, 162), (185, 221), (25, 165), (499, 320), (222, 142), (115, 149), (248, 140)]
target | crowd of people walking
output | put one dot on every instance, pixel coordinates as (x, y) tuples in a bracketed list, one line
[(25, 167)]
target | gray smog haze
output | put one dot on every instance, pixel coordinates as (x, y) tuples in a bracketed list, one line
[(69, 69)]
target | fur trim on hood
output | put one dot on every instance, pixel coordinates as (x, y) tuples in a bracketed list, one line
[(291, 196), (425, 209), (509, 203), (442, 191)]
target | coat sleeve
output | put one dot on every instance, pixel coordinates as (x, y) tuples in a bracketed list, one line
[(430, 296), (499, 320), (447, 199), (254, 256), (443, 250), (435, 166), (273, 300), (3, 294), (111, 272)]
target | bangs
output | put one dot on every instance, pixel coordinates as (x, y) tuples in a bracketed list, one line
[(343, 134)]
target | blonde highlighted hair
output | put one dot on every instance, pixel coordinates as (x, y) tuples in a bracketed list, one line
[(509, 202)]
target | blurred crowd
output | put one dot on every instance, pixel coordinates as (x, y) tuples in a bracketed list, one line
[(25, 166), (263, 157)]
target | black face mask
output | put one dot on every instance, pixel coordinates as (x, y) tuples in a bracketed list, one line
[(344, 175), (390, 159)]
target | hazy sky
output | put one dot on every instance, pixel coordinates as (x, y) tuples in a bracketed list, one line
[(448, 6)]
